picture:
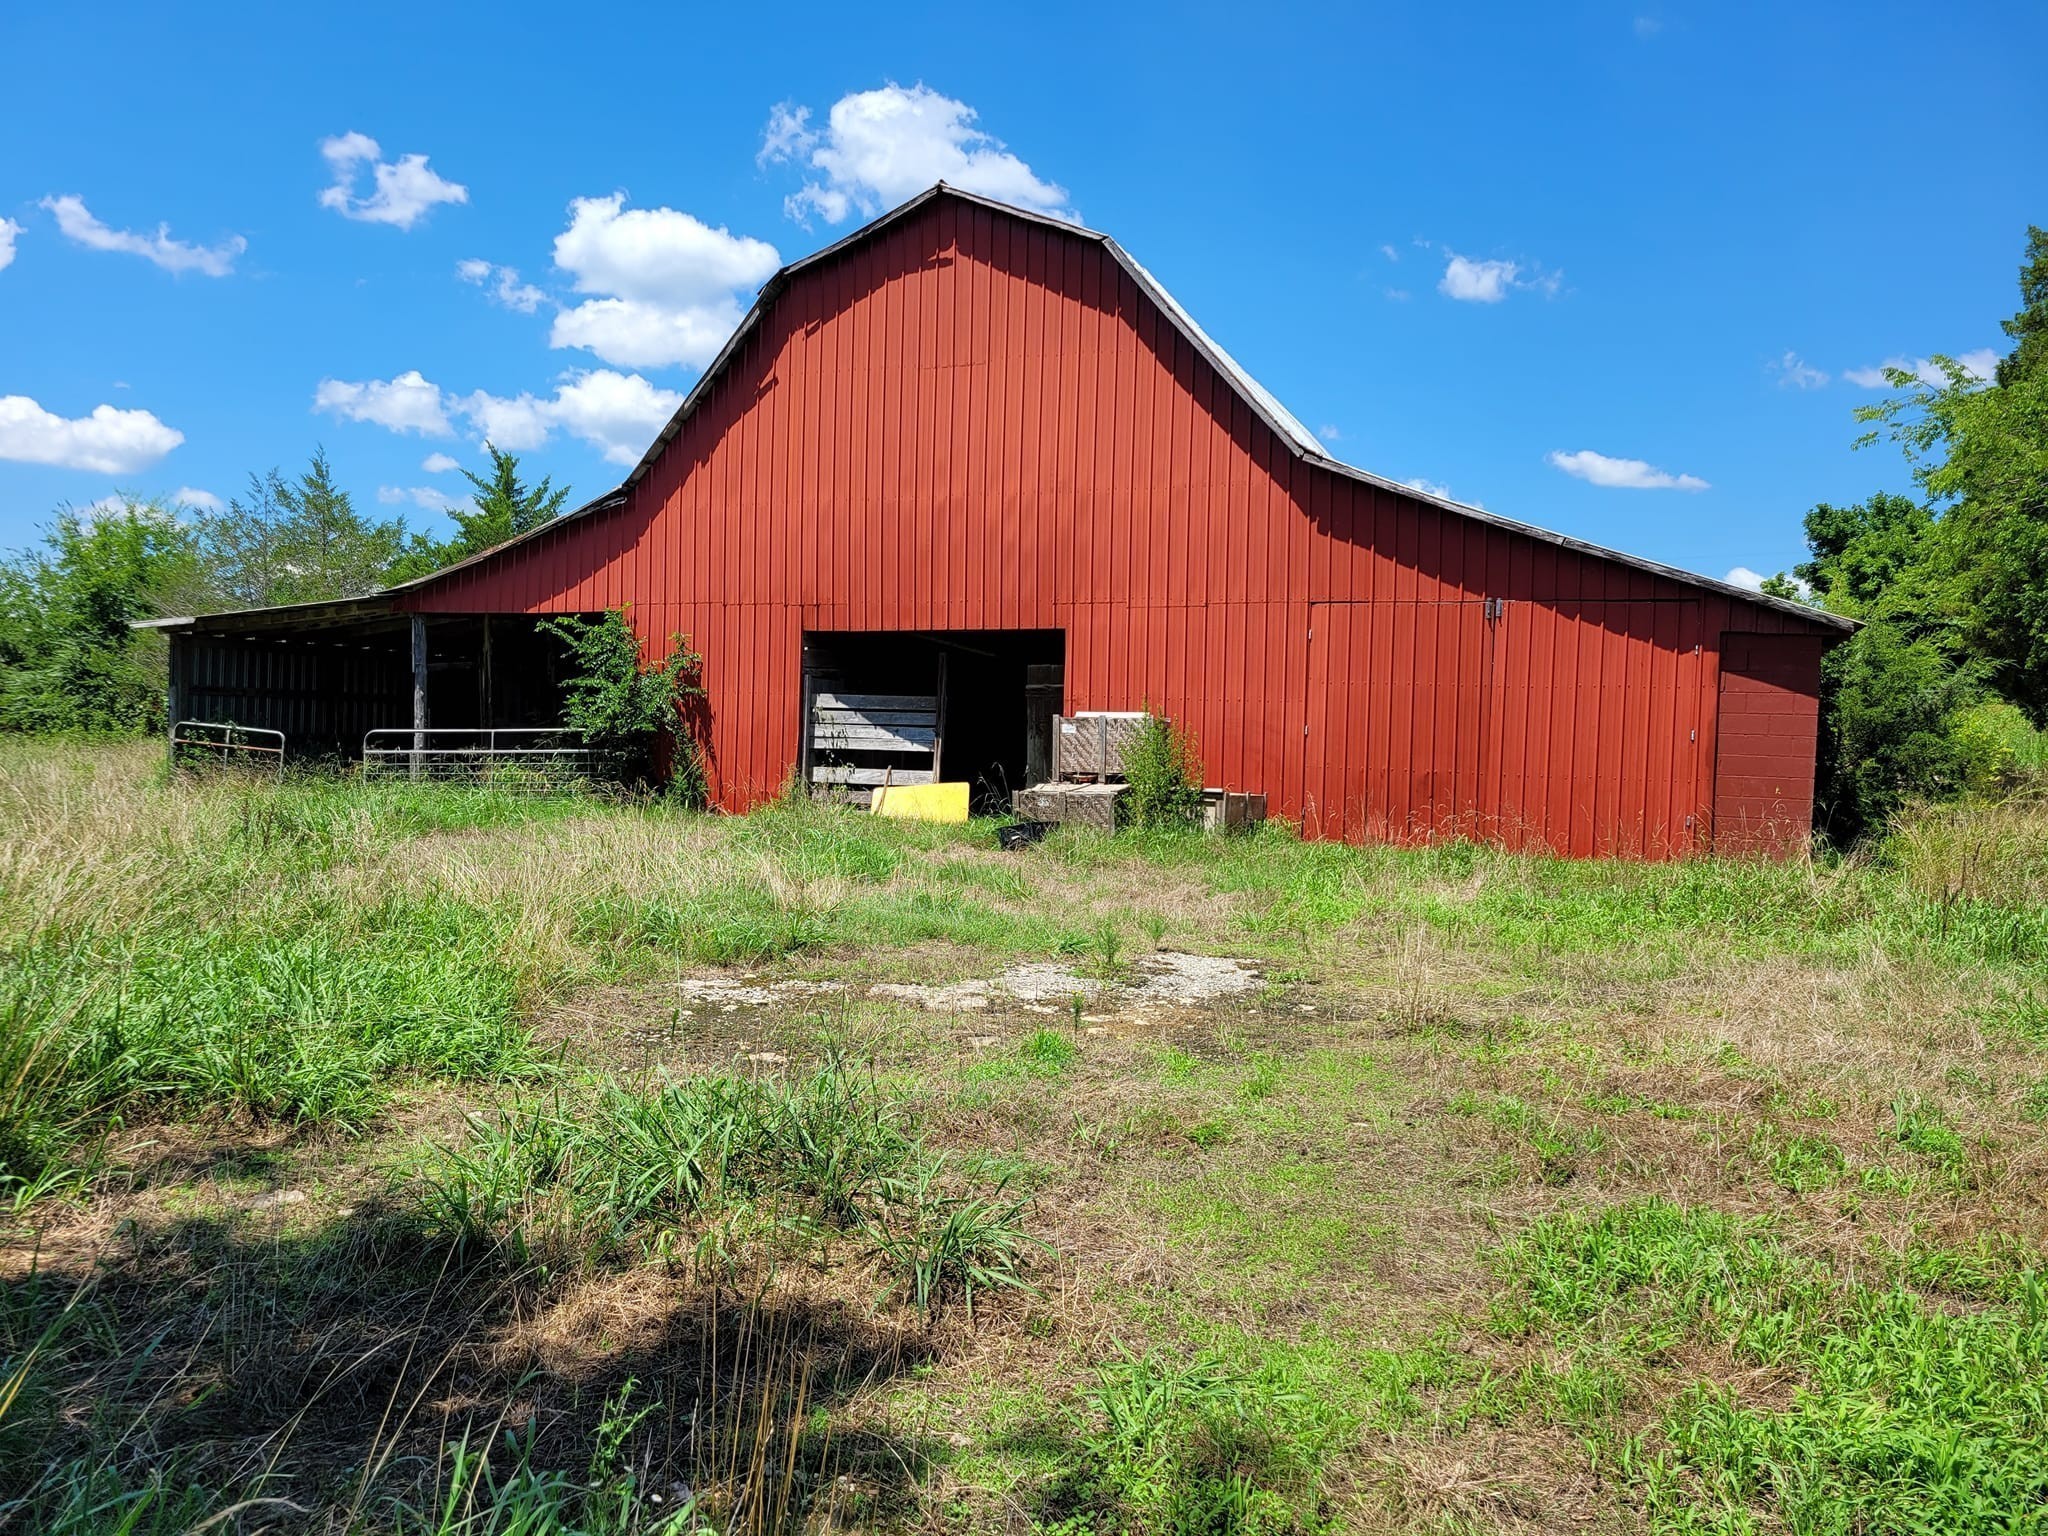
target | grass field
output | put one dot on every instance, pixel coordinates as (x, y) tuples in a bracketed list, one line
[(430, 1161)]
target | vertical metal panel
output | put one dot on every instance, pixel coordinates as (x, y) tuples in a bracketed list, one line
[(975, 422)]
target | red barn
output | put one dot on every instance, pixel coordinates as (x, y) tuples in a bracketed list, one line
[(975, 454)]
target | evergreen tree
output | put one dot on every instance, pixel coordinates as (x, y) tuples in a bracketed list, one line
[(298, 541), (502, 508)]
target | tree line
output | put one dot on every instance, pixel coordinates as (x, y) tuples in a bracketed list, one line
[(70, 658), (1944, 688)]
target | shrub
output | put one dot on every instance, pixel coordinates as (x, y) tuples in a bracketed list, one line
[(624, 711), (1164, 777), (1998, 749)]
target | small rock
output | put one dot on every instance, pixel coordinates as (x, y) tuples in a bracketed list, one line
[(277, 1197), (771, 1058)]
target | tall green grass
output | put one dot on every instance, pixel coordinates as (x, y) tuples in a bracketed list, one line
[(1907, 1414)]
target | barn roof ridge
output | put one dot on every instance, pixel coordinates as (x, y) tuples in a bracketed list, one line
[(1288, 428)]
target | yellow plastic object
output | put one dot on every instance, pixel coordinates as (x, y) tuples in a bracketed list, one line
[(921, 802)]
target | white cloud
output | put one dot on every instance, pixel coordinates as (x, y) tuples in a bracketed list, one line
[(203, 501), (1794, 372), (1488, 282), (426, 497), (503, 285), (1623, 474), (880, 147), (1647, 27), (1429, 488), (617, 412), (81, 228), (407, 403), (1743, 576), (1477, 282), (667, 284), (439, 463), (110, 441), (9, 232), (1330, 434), (1979, 364), (1390, 253), (403, 190)]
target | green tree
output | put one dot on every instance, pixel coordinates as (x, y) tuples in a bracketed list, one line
[(502, 508), (1980, 452), (70, 658), (297, 541), (2029, 328)]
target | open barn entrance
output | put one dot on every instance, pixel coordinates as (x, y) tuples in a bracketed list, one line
[(971, 707)]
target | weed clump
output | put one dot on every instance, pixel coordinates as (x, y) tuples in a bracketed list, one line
[(1163, 778), (717, 1172), (1190, 1446)]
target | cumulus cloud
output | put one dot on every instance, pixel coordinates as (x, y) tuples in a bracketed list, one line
[(619, 413), (402, 191), (502, 284), (1330, 434), (1794, 372), (81, 228), (109, 441), (203, 501), (1429, 487), (666, 286), (879, 147), (1477, 282), (9, 233), (439, 463), (1979, 364), (1623, 474), (1488, 282), (408, 403)]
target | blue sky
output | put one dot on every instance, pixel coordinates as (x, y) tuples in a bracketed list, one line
[(1611, 269)]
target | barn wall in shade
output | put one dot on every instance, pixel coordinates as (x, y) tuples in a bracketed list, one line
[(971, 420)]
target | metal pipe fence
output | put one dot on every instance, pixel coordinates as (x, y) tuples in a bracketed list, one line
[(223, 744), (531, 760)]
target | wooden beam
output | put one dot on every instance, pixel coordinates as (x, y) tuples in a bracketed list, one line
[(419, 690), (867, 701), (834, 773), (875, 738)]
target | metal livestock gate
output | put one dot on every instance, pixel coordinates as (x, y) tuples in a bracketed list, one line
[(968, 418)]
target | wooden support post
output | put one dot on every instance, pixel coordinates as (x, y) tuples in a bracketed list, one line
[(484, 718), (419, 690), (939, 722), (180, 666)]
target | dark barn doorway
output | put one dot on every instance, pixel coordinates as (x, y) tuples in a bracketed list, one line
[(962, 706)]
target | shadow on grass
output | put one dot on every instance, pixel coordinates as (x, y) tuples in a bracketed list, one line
[(338, 1369)]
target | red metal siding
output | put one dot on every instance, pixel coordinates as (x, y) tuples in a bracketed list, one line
[(972, 421), (1763, 768)]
